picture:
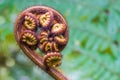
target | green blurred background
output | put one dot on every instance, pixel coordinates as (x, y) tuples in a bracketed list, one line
[(93, 50)]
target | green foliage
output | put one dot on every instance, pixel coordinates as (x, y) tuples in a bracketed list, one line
[(93, 50)]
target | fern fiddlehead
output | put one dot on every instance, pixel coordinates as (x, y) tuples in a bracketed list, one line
[(44, 28)]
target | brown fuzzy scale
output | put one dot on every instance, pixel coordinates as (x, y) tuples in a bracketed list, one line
[(52, 59), (46, 19), (43, 34), (29, 38), (55, 47), (42, 40), (60, 40), (48, 47), (58, 28), (42, 47), (30, 21)]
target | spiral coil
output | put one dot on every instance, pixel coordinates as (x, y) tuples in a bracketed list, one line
[(44, 28)]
